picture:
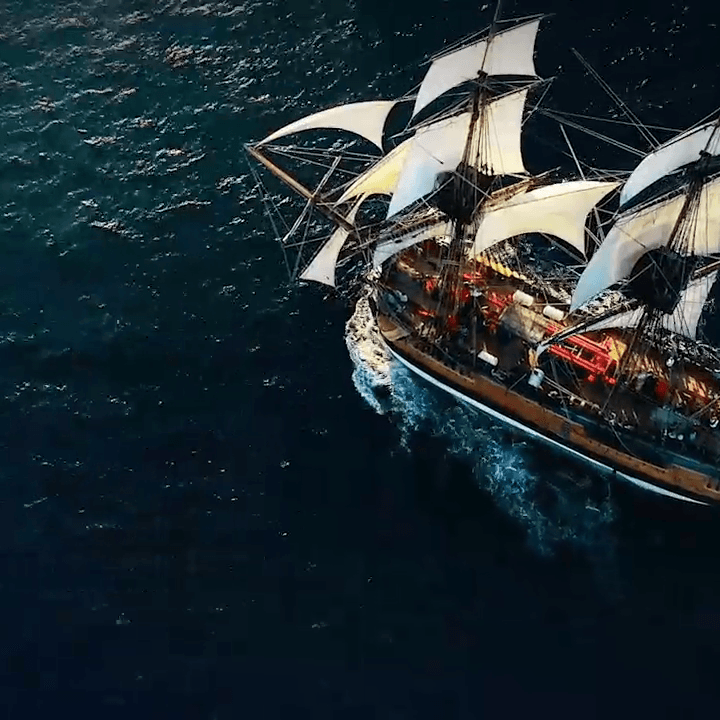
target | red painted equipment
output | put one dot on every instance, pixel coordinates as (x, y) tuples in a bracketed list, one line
[(593, 357), (462, 294)]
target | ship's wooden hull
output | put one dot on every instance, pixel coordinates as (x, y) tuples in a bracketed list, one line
[(545, 425)]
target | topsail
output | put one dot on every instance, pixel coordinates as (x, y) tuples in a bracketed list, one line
[(680, 151), (507, 53)]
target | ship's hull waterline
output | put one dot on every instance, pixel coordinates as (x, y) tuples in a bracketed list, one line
[(545, 426)]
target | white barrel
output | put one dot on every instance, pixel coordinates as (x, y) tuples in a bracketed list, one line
[(536, 378), (487, 357), (522, 298), (553, 313)]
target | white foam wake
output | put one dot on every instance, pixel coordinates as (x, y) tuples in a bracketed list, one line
[(373, 363), (554, 507)]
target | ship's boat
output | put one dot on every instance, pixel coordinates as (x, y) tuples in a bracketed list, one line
[(566, 306)]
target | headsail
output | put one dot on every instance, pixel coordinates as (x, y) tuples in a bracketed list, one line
[(366, 119), (382, 177), (636, 232), (507, 53), (439, 147), (560, 210), (322, 267), (671, 156)]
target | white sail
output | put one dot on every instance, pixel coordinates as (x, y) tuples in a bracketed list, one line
[(671, 156), (439, 147), (686, 317), (683, 320), (386, 250), (635, 233), (366, 119), (322, 267), (507, 53), (382, 177), (558, 210)]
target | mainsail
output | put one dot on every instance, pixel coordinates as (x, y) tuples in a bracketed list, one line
[(682, 321)]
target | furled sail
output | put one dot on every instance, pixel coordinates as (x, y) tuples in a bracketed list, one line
[(558, 210), (636, 232), (671, 156), (439, 147), (322, 267), (386, 250), (683, 320), (506, 53), (382, 177), (366, 119)]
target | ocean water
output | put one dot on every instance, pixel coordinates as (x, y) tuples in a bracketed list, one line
[(218, 497)]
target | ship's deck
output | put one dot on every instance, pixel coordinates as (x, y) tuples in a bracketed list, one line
[(650, 406)]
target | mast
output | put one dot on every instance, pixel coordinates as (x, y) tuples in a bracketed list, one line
[(465, 197), (670, 272), (461, 207), (471, 188), (656, 246)]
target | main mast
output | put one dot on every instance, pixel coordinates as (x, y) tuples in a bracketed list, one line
[(660, 249), (469, 187), (656, 246)]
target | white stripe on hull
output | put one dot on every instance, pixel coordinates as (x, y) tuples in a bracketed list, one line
[(539, 436)]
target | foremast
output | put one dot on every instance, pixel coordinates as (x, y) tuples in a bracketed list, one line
[(408, 173), (460, 198)]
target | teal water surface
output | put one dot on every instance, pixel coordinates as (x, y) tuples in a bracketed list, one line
[(200, 515)]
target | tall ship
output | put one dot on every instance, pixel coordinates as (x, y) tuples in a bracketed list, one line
[(567, 305)]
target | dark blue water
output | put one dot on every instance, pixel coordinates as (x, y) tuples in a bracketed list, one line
[(202, 512)]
